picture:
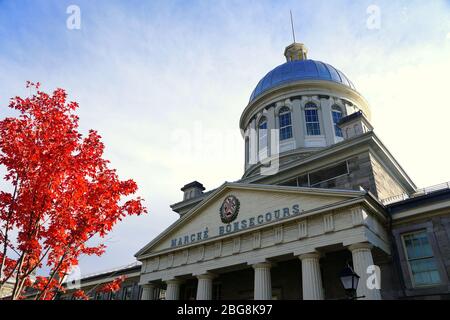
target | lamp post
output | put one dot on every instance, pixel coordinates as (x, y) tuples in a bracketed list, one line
[(350, 280)]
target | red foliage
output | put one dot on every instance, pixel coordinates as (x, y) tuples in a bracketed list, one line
[(64, 191), (112, 286), (80, 295)]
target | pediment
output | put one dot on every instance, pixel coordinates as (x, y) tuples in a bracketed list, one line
[(255, 204)]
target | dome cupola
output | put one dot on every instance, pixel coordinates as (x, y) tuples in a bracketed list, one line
[(295, 109), (299, 68), (296, 51)]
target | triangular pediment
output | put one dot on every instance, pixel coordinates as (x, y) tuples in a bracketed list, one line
[(255, 204)]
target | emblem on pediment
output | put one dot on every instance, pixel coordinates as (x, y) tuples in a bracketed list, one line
[(229, 209)]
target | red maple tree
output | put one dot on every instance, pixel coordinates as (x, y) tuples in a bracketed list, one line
[(80, 295), (63, 193), (112, 286)]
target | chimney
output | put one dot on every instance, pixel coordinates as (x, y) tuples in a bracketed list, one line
[(192, 190)]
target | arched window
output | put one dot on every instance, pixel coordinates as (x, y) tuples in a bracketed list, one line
[(285, 123), (262, 134), (336, 113), (312, 120)]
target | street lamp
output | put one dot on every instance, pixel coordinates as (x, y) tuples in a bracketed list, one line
[(349, 280)]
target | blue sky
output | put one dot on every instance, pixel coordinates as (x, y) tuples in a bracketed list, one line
[(164, 82)]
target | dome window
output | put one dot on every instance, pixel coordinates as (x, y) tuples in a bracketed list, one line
[(312, 120), (336, 113), (262, 138), (285, 123)]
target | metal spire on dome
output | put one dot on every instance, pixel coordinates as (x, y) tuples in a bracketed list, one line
[(295, 51), (292, 25)]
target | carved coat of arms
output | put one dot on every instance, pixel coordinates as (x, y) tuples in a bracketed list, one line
[(229, 209)]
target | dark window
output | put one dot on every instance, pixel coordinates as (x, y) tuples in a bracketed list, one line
[(303, 181), (127, 293), (314, 179), (328, 173), (290, 183), (115, 295)]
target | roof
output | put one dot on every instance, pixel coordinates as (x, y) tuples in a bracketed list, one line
[(194, 184), (117, 271), (353, 116), (300, 70), (432, 197)]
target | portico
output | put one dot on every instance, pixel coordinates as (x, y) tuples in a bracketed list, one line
[(301, 277), (292, 257)]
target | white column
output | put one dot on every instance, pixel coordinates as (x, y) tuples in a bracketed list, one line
[(311, 277), (362, 259), (205, 286), (328, 127), (149, 292), (263, 282), (270, 114), (298, 124), (173, 289)]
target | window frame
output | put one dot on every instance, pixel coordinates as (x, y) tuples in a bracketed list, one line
[(408, 260), (282, 112), (312, 106), (308, 173), (410, 290), (313, 185)]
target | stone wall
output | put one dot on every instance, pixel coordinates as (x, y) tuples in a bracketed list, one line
[(385, 186), (441, 228), (366, 172)]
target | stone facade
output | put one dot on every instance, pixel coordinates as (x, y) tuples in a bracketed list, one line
[(385, 184)]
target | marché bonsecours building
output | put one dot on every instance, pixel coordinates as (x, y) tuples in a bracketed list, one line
[(320, 191)]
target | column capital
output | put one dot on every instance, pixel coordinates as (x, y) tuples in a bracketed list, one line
[(149, 285), (309, 255), (265, 265), (359, 246), (206, 276)]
